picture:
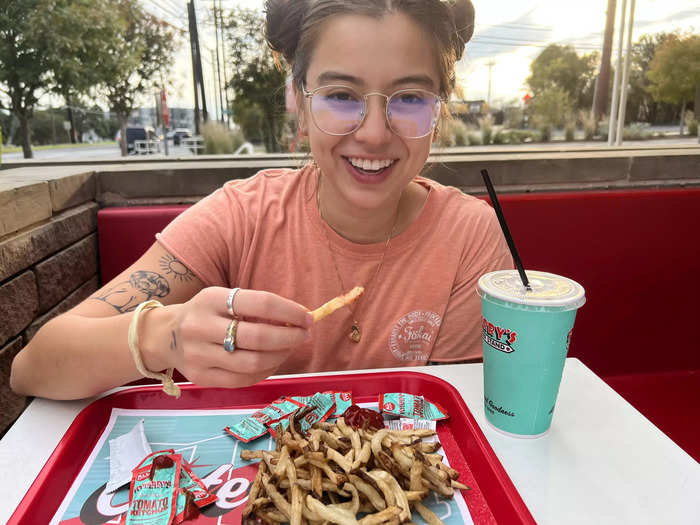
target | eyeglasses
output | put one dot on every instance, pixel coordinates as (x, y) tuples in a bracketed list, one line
[(340, 110)]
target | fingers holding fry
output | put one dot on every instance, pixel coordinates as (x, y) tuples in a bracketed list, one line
[(337, 303)]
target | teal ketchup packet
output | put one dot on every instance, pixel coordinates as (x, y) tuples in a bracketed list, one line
[(256, 425), (412, 406), (322, 406), (154, 489), (343, 400), (192, 495)]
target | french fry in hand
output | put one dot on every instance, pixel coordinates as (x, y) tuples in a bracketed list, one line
[(337, 303)]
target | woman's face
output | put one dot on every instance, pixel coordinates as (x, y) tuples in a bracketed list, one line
[(369, 55)]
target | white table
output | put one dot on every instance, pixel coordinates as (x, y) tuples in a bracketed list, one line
[(601, 462)]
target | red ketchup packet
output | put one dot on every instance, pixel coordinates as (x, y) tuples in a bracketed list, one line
[(154, 489), (409, 405)]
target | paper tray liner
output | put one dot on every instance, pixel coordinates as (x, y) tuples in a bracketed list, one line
[(492, 498)]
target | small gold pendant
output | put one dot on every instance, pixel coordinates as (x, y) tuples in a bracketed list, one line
[(355, 335)]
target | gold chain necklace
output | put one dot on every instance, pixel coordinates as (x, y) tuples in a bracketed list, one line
[(355, 333)]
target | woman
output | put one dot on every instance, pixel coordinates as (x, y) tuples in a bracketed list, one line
[(371, 79)]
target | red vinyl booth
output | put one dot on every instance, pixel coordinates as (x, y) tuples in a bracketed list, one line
[(635, 252)]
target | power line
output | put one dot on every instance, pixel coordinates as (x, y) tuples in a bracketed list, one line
[(581, 47)]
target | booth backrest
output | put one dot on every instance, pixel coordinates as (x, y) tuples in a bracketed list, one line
[(635, 252), (124, 234)]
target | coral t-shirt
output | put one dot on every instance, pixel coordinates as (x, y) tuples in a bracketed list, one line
[(266, 233)]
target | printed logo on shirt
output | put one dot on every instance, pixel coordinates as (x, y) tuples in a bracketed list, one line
[(413, 335), (497, 337)]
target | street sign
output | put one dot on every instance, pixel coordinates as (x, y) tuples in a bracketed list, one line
[(164, 106)]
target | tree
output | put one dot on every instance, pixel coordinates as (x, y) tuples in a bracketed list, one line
[(23, 62), (674, 72), (641, 106), (142, 49), (256, 81), (83, 33), (552, 106), (561, 67)]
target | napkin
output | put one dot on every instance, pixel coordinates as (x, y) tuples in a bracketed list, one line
[(125, 453)]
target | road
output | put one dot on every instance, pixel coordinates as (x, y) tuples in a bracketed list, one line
[(86, 152), (103, 152)]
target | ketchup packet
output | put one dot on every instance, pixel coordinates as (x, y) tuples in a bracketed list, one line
[(323, 406), (343, 400), (278, 426), (154, 489), (247, 429), (277, 410), (256, 425), (193, 492), (412, 406)]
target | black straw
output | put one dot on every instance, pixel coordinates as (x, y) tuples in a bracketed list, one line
[(504, 227)]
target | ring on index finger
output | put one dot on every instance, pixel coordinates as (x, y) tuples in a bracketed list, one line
[(230, 339), (229, 301)]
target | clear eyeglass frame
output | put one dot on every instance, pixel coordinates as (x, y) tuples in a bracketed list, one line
[(310, 94)]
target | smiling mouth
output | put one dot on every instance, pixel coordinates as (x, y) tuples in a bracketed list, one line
[(370, 167)]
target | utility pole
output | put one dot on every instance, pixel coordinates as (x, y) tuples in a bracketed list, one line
[(196, 68), (223, 59), (600, 93), (616, 83), (218, 66), (216, 85), (625, 78), (193, 48), (488, 97)]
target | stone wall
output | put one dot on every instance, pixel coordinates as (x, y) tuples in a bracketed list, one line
[(48, 215)]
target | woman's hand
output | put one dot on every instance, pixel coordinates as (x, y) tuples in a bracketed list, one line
[(269, 328)]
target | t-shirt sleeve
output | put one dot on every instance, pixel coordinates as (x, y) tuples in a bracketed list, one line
[(208, 237), (459, 337)]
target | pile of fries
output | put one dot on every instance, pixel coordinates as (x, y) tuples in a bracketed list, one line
[(336, 472)]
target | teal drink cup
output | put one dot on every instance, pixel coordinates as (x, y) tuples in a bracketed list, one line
[(526, 335)]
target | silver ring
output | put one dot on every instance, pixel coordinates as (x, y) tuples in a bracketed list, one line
[(230, 339), (229, 301)]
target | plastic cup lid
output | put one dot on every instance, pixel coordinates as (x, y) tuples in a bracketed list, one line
[(548, 289)]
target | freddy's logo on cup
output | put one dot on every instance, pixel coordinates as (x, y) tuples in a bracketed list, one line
[(501, 339)]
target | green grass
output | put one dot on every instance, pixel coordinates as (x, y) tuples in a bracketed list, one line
[(14, 149)]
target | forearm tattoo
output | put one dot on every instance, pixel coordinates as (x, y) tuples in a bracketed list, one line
[(141, 286), (144, 285)]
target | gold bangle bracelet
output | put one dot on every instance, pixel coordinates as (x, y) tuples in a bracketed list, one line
[(169, 386)]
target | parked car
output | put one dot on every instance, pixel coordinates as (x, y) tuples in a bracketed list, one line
[(134, 133), (180, 133)]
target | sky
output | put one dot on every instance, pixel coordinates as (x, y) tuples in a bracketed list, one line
[(509, 34)]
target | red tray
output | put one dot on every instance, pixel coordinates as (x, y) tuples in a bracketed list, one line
[(493, 498)]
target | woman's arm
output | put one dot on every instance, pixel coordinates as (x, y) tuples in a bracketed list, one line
[(84, 351)]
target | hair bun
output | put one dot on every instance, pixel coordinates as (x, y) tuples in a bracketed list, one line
[(463, 16), (283, 20)]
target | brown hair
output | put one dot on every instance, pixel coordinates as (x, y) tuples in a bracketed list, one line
[(292, 28)]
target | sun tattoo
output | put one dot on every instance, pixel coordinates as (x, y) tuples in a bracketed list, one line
[(170, 265)]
